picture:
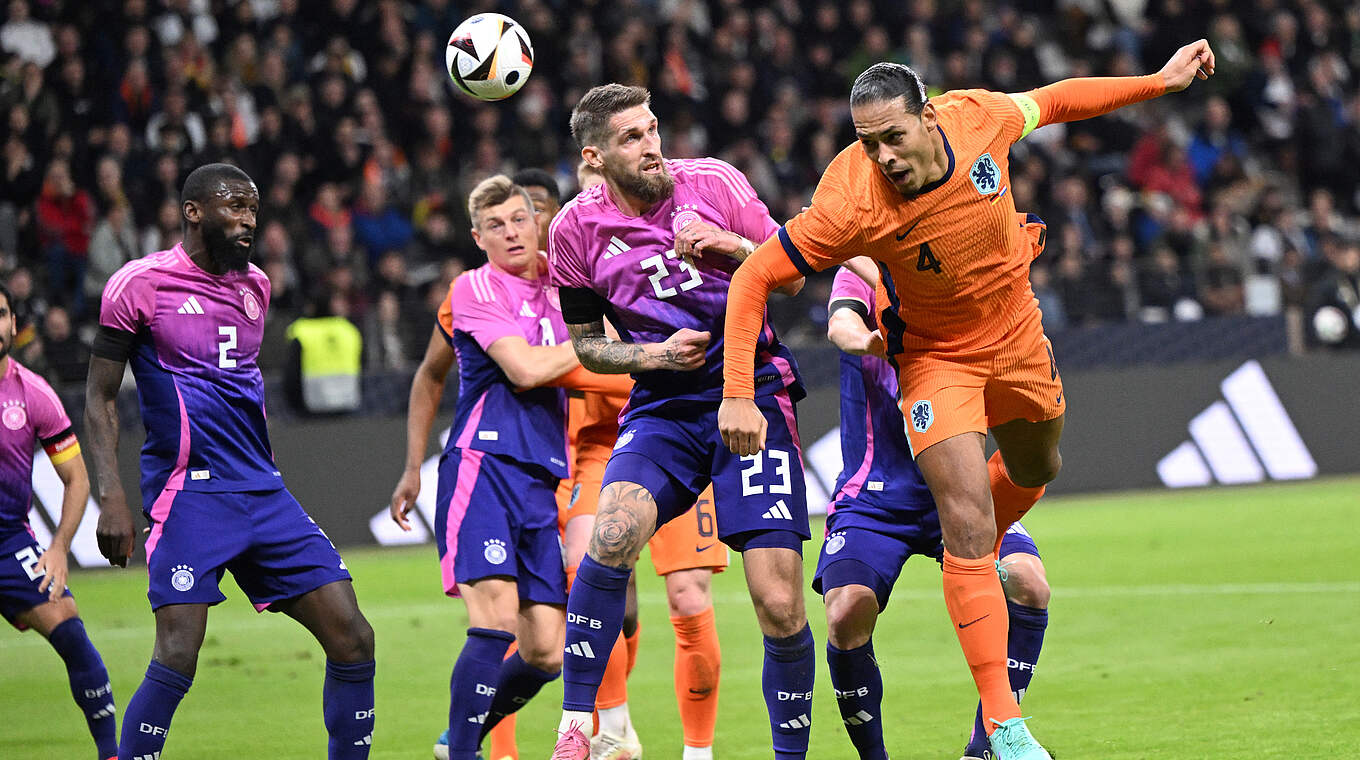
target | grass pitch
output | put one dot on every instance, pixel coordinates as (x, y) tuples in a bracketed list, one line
[(1221, 623)]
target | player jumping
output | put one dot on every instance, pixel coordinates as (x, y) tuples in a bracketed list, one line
[(882, 514), (496, 516), (33, 591), (654, 248), (926, 194), (190, 321)]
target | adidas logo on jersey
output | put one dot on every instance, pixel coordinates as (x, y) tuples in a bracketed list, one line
[(858, 719), (191, 306), (582, 649), (802, 721), (778, 512), (616, 247), (525, 311)]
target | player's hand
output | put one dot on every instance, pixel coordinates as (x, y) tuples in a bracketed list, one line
[(52, 566), (1193, 60), (742, 426), (114, 532), (874, 346), (683, 351), (699, 238), (404, 498)]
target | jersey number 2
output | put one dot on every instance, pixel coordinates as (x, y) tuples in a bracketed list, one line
[(228, 333), (660, 271)]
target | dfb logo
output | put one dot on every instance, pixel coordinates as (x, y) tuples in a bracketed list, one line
[(486, 691), (588, 622), (794, 696), (1018, 665), (147, 728), (862, 691), (364, 714), (101, 691)]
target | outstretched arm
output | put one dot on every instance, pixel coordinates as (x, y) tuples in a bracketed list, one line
[(740, 422), (427, 388), (598, 352), (1088, 97)]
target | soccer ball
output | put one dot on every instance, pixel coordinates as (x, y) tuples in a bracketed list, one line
[(489, 56)]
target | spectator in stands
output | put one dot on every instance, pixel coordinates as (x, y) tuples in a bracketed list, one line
[(378, 225), (166, 230), (29, 310), (113, 244), (1214, 140), (65, 221), (65, 356), (1166, 290), (26, 36), (1221, 284)]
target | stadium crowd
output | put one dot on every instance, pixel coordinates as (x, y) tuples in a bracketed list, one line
[(1240, 198)]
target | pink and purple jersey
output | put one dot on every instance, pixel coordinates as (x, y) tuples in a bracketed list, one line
[(631, 263), (877, 473), (483, 306), (202, 398), (30, 413)]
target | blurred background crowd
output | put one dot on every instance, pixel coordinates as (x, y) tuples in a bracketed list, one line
[(1240, 197)]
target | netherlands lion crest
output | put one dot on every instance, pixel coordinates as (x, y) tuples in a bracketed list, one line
[(922, 415), (985, 174)]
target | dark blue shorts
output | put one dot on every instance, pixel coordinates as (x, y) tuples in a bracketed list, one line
[(271, 546), (19, 579), (498, 517), (858, 554), (759, 500)]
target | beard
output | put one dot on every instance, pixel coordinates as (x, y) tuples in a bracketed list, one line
[(225, 250), (649, 188)]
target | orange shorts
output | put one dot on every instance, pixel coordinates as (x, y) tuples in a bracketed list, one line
[(947, 393), (688, 542)]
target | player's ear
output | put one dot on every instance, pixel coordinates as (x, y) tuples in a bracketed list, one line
[(928, 116), (192, 212), (593, 156)]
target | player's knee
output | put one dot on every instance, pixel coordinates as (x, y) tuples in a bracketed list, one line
[(850, 615), (179, 653), (546, 658), (1037, 472), (780, 610), (1026, 582), (687, 597), (363, 638)]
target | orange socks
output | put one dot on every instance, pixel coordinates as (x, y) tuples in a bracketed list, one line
[(972, 593), (632, 643), (698, 663), (502, 735), (1009, 501), (614, 686)]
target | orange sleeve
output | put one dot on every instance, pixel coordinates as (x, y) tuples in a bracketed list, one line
[(1088, 97), (828, 232), (582, 379), (445, 316), (763, 271)]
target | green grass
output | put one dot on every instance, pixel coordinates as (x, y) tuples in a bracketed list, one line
[(1203, 624)]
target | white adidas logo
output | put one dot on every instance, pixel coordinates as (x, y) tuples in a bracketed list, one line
[(616, 247), (582, 649), (364, 742), (858, 719), (107, 711), (1239, 440), (778, 512), (478, 719), (525, 311), (152, 756), (191, 306), (802, 721)]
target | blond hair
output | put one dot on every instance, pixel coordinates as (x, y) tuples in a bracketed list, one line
[(493, 191)]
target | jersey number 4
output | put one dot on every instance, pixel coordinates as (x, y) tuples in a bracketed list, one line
[(660, 272), (926, 261)]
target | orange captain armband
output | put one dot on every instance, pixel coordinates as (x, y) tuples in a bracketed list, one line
[(62, 447)]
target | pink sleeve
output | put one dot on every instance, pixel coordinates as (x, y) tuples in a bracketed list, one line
[(45, 409), (747, 215), (129, 299), (481, 312), (567, 266), (849, 286)]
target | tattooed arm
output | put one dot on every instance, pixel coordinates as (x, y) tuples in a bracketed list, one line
[(598, 352)]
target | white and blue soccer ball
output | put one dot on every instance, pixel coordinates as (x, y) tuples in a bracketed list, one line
[(489, 56)]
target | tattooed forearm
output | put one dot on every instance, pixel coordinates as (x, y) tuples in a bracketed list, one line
[(600, 353), (625, 521)]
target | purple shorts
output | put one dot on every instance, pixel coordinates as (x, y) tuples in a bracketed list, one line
[(271, 546), (494, 517), (759, 500), (863, 556), (19, 579)]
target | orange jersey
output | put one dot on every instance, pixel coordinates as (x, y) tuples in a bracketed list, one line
[(957, 264), (593, 426)]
